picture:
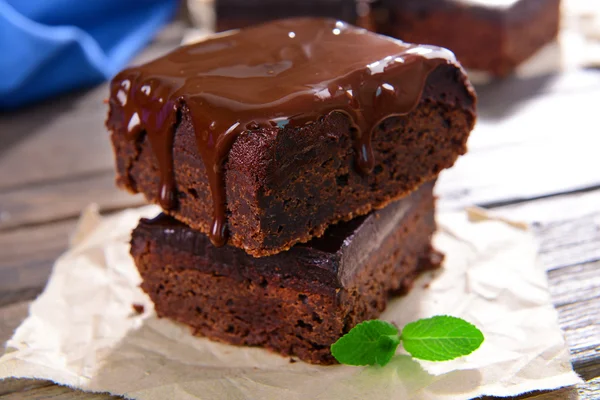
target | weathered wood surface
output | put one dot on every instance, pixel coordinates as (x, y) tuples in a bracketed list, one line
[(27, 255), (529, 145), (27, 205), (29, 389), (529, 161)]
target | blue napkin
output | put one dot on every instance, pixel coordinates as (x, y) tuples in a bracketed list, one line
[(51, 46)]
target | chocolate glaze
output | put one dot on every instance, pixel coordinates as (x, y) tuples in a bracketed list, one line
[(282, 73)]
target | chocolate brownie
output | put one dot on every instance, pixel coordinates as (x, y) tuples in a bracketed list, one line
[(235, 14), (296, 302), (493, 36), (270, 134)]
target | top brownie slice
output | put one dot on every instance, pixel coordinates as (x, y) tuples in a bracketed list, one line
[(267, 135)]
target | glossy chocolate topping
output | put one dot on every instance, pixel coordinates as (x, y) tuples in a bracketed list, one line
[(286, 73)]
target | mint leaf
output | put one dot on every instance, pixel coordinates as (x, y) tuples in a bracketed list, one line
[(368, 343), (441, 338)]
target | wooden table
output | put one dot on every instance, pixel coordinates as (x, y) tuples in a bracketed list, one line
[(542, 167)]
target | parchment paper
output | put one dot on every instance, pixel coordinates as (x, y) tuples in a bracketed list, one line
[(82, 331)]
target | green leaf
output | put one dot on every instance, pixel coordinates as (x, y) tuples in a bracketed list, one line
[(368, 343), (441, 338)]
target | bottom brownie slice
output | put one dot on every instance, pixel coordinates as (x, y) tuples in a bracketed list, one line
[(297, 302)]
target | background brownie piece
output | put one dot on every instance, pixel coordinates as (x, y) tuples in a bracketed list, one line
[(234, 14), (297, 302), (492, 36), (286, 178)]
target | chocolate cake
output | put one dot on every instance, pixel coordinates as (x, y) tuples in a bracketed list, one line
[(235, 14), (268, 135), (296, 302), (488, 35)]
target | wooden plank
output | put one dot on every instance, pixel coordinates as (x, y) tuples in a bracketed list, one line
[(561, 394), (568, 226), (35, 390), (10, 318), (591, 390), (500, 98), (552, 209), (47, 202), (581, 392), (576, 294), (574, 283), (587, 391), (529, 150), (13, 386), (569, 242), (58, 138), (27, 258)]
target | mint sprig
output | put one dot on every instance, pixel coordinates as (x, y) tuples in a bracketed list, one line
[(438, 338)]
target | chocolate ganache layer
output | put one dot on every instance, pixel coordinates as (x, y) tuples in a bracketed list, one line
[(282, 74)]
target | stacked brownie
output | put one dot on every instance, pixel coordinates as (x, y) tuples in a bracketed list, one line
[(486, 35), (294, 162)]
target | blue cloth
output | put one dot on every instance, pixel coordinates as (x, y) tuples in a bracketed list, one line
[(51, 46)]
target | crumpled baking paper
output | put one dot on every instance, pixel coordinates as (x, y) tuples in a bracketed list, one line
[(83, 332)]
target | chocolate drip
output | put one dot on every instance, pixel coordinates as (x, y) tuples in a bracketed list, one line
[(281, 74)]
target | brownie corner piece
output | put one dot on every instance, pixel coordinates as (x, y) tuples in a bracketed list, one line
[(296, 303)]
